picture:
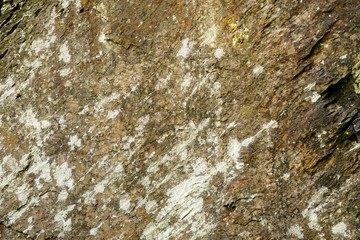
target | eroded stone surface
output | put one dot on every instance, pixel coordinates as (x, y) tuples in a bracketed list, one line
[(157, 119)]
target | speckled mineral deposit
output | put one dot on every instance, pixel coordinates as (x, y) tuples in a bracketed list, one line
[(179, 119)]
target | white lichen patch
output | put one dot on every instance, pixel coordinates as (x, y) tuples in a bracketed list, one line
[(7, 93), (145, 181), (235, 146), (343, 57), (217, 87), (257, 70), (99, 188), (39, 44), (185, 201), (63, 176), (193, 131), (85, 110), (14, 215), (231, 125), (36, 127), (63, 223), (99, 106), (125, 204), (65, 3), (40, 166), (340, 229), (185, 49), (270, 125), (310, 86), (162, 83), (10, 162), (94, 231), (1, 176), (314, 97), (200, 83), (219, 53), (186, 196), (142, 121), (6, 89), (64, 72), (30, 226), (127, 141), (62, 122), (112, 114), (89, 195), (35, 64), (296, 231), (63, 195), (102, 9), (74, 142), (315, 205), (209, 37), (151, 207), (102, 38), (30, 120), (113, 174), (286, 176), (23, 193), (64, 53), (8, 83), (132, 144), (187, 81)]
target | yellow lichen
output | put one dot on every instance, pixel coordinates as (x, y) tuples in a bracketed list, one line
[(231, 24), (239, 39)]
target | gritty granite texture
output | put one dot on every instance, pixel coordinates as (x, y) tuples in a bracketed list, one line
[(179, 119)]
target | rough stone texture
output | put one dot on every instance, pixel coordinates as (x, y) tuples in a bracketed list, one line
[(180, 119)]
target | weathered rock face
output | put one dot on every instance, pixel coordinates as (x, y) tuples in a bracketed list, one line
[(216, 119)]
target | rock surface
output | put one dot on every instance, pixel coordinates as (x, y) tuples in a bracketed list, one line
[(216, 119)]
